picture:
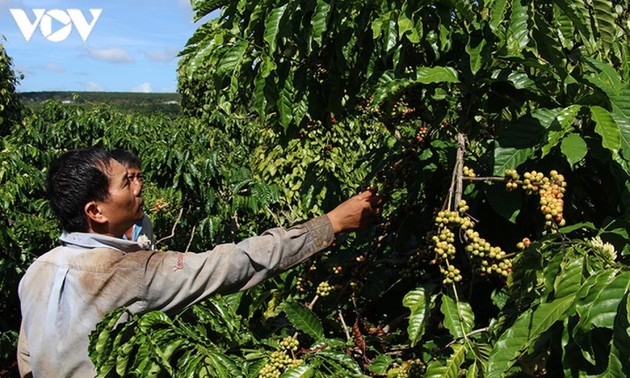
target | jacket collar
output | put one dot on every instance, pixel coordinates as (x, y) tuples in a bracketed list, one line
[(91, 240)]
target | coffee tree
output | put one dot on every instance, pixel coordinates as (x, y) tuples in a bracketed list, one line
[(530, 98), (11, 109), (11, 116)]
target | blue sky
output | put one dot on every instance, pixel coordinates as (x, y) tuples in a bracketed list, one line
[(132, 46)]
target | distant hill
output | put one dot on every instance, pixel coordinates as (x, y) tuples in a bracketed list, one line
[(132, 102)]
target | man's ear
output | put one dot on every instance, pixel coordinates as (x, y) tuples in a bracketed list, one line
[(94, 213)]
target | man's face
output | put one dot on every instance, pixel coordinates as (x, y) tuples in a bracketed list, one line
[(136, 178), (124, 205)]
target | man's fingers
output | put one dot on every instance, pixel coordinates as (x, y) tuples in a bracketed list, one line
[(377, 210), (376, 203), (376, 200), (372, 200), (368, 190)]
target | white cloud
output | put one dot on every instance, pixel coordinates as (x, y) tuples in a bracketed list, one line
[(166, 55), (91, 86), (112, 55), (144, 87)]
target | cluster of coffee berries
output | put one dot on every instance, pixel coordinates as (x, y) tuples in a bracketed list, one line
[(411, 369), (488, 258), (480, 247), (401, 108), (551, 198), (550, 189), (281, 359), (512, 177), (462, 207), (269, 371), (323, 289), (443, 241), (421, 134), (299, 285), (523, 243), (446, 219), (502, 268), (290, 344), (532, 181), (491, 259), (451, 274), (469, 172)]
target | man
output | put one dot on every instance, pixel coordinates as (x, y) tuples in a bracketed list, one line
[(68, 290), (133, 164)]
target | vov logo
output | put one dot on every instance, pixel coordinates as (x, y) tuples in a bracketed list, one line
[(64, 20)]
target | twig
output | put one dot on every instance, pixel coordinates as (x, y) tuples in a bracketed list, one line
[(394, 323), (312, 304), (397, 351), (388, 262), (459, 166), (235, 222), (192, 234), (181, 211), (274, 216), (456, 188), (459, 312), (490, 178), (451, 189), (466, 336), (390, 288), (345, 327)]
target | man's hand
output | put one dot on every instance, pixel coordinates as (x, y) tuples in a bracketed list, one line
[(356, 212)]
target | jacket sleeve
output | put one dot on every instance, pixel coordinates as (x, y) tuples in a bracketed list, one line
[(175, 280), (23, 355)]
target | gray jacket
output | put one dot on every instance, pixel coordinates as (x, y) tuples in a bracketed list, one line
[(68, 290)]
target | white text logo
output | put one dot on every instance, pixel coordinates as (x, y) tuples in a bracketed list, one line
[(64, 19)]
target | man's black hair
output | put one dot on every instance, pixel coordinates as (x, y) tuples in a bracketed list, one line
[(127, 158), (74, 179)]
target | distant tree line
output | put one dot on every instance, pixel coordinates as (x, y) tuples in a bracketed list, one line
[(130, 102)]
